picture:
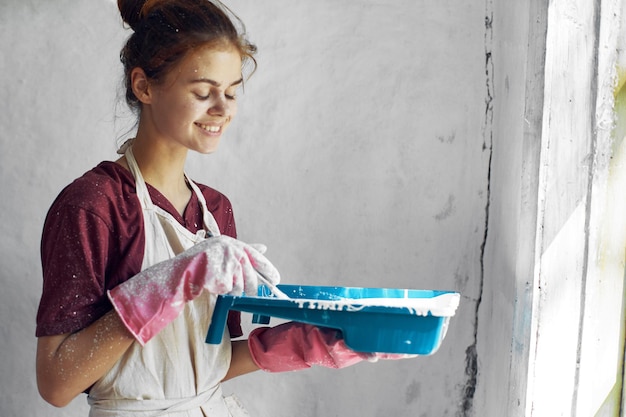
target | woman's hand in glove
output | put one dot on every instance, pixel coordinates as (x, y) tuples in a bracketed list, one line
[(293, 346), (150, 300)]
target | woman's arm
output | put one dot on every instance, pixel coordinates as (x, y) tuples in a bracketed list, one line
[(68, 364), (241, 362)]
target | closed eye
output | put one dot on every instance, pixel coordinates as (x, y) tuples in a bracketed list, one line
[(208, 96)]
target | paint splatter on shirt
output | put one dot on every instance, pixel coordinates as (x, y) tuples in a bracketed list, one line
[(93, 240)]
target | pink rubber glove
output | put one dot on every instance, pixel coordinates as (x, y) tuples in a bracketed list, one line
[(293, 346), (153, 298)]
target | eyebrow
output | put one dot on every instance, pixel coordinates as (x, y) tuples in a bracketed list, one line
[(213, 82)]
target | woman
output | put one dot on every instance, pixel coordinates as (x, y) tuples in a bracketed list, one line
[(134, 252)]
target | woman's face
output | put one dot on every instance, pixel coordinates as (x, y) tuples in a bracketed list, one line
[(197, 101)]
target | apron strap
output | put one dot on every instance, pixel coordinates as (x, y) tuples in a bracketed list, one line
[(140, 183), (210, 224), (152, 408)]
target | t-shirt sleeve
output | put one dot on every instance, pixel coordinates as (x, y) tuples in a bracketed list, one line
[(74, 252), (87, 251)]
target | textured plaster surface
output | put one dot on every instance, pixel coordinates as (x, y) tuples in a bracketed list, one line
[(360, 156)]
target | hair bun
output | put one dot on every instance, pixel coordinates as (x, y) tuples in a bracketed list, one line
[(131, 11)]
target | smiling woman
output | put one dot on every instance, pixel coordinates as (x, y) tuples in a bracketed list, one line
[(140, 219), (134, 252)]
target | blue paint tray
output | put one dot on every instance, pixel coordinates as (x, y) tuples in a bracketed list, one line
[(383, 320)]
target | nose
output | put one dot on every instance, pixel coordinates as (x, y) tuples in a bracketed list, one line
[(220, 106)]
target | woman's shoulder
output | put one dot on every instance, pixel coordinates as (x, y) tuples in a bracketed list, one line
[(213, 197), (102, 188)]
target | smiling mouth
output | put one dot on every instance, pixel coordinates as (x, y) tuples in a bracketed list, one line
[(209, 128)]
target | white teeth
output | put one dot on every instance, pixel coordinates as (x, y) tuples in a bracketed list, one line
[(212, 129)]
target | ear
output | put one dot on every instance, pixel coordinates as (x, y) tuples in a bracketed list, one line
[(140, 85)]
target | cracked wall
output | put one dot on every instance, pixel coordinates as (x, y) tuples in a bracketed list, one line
[(471, 353)]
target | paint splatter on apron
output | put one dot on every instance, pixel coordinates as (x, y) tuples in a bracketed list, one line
[(176, 374)]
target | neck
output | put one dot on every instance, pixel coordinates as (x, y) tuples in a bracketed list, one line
[(163, 167)]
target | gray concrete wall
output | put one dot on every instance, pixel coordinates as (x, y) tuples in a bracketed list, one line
[(358, 157)]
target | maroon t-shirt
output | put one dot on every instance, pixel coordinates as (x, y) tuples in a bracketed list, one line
[(93, 240)]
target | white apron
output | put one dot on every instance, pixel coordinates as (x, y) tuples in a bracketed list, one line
[(176, 374)]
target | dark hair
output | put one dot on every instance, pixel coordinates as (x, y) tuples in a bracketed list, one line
[(165, 31)]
